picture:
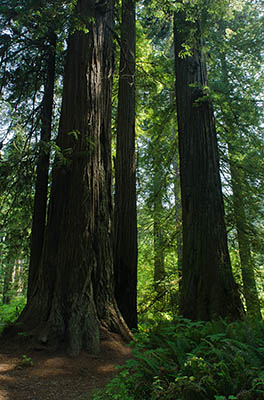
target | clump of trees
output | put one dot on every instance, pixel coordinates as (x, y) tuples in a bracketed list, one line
[(181, 221)]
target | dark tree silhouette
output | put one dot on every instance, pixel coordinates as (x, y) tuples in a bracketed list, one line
[(125, 255), (42, 171), (208, 288)]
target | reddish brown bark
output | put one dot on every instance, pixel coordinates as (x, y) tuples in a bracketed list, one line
[(73, 295), (208, 288)]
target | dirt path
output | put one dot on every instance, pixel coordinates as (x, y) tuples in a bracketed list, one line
[(42, 376)]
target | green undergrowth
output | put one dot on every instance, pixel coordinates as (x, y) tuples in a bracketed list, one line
[(184, 360), (10, 312)]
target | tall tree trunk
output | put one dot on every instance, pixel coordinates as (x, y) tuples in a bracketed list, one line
[(159, 266), (42, 172), (159, 261), (8, 270), (17, 277), (237, 180), (246, 260), (178, 207), (208, 287), (125, 249), (74, 292)]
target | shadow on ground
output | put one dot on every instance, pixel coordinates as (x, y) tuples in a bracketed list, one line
[(36, 375)]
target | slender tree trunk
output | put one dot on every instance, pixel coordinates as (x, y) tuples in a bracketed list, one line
[(41, 190), (125, 249), (74, 293), (237, 179), (208, 287), (7, 281), (246, 260), (178, 209), (17, 276), (159, 261), (159, 267)]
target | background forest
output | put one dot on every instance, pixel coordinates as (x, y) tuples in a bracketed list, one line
[(218, 359)]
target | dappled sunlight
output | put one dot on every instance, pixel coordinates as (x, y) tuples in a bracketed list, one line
[(106, 368), (5, 368), (37, 375)]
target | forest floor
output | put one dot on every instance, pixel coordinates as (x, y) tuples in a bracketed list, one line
[(27, 374)]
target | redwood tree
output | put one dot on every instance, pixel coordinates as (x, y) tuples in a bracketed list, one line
[(73, 294), (208, 288), (125, 259), (42, 170)]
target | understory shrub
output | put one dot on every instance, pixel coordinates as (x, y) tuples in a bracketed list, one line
[(10, 312), (184, 360)]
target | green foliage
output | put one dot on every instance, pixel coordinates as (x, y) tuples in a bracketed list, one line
[(156, 154), (27, 31), (235, 46), (10, 312), (232, 34), (16, 183), (184, 360), (25, 362)]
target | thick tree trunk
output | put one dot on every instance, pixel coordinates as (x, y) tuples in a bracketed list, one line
[(125, 249), (73, 295), (42, 172), (208, 288)]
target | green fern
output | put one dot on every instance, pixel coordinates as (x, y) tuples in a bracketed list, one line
[(184, 360)]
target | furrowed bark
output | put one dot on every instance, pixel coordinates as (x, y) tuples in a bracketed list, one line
[(74, 293), (208, 288)]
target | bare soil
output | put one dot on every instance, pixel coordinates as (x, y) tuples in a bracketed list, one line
[(30, 374)]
